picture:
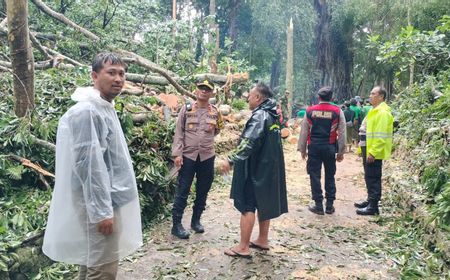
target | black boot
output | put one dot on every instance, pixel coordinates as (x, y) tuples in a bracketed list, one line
[(329, 208), (371, 209), (178, 229), (317, 208), (195, 223), (362, 204)]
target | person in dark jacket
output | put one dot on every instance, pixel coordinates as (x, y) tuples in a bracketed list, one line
[(259, 181), (323, 135), (349, 122)]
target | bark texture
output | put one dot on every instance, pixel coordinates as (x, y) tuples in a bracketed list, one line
[(21, 56)]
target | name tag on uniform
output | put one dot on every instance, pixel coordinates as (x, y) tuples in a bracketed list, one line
[(322, 115)]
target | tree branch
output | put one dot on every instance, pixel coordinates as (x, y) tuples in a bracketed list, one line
[(68, 59), (41, 65), (60, 17), (139, 60), (38, 46), (43, 143)]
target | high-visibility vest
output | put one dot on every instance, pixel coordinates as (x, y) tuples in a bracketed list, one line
[(379, 131)]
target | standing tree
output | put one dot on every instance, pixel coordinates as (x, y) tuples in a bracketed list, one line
[(213, 30), (290, 66), (21, 55)]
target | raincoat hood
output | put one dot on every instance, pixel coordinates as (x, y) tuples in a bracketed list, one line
[(270, 106), (83, 94)]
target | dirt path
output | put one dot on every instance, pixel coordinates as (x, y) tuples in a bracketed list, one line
[(303, 245)]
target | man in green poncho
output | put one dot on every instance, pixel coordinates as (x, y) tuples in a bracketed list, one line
[(259, 181)]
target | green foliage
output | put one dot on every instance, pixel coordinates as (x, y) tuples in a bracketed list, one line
[(413, 259), (423, 135), (239, 104), (57, 271)]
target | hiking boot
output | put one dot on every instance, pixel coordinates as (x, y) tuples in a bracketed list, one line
[(177, 227), (362, 204), (317, 208), (329, 208), (179, 231), (370, 210), (195, 223)]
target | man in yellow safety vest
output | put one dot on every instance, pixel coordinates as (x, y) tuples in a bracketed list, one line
[(379, 122)]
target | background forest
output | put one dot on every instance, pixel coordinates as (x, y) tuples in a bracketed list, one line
[(351, 45)]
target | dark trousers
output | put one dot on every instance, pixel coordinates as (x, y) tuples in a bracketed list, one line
[(204, 171), (318, 155), (372, 176)]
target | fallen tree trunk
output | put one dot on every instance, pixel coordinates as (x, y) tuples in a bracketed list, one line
[(40, 65), (157, 80), (155, 68), (146, 79), (216, 78)]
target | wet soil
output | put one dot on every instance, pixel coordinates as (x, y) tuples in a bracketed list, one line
[(302, 245)]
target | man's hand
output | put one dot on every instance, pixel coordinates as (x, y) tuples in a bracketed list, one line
[(178, 161), (340, 157), (105, 227), (224, 167), (370, 159), (304, 156)]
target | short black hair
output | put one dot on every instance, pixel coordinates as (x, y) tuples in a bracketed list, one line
[(101, 58), (353, 101), (382, 91), (325, 93), (264, 90)]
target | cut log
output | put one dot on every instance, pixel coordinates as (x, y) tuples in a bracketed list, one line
[(285, 133), (171, 100), (225, 110), (236, 77), (292, 139)]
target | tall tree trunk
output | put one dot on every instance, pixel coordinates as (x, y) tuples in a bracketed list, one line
[(213, 29), (232, 21), (275, 73), (174, 18), (21, 56), (323, 41), (290, 67)]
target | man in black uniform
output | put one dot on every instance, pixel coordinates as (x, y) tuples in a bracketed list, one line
[(323, 129)]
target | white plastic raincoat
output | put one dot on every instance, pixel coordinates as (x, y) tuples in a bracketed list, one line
[(94, 181)]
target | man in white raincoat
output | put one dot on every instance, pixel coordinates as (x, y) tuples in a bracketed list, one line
[(94, 217)]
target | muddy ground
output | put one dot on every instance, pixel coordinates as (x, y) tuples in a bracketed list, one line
[(303, 245)]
